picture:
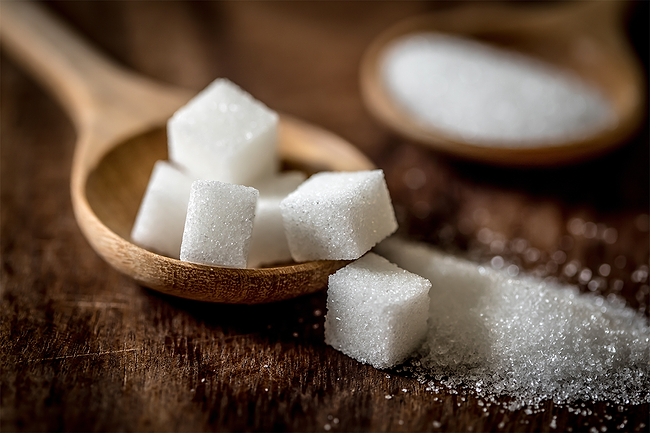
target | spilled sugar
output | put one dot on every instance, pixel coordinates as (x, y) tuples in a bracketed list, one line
[(522, 337), (485, 95)]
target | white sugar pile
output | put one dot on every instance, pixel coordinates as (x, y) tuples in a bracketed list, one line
[(486, 95), (523, 337), (376, 312), (242, 210)]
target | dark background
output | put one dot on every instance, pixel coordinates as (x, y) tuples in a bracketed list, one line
[(86, 349)]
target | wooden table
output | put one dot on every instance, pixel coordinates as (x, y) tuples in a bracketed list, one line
[(84, 348)]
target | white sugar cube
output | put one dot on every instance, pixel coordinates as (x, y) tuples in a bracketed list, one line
[(269, 243), (224, 134), (338, 215), (161, 218), (376, 312), (219, 224)]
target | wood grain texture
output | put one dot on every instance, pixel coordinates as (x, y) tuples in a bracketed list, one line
[(85, 349)]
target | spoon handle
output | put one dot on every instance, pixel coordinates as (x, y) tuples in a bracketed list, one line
[(104, 100)]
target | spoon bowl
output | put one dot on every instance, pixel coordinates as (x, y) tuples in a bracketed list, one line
[(120, 118), (582, 37)]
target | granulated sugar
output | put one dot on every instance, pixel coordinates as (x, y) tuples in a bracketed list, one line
[(486, 95), (524, 338)]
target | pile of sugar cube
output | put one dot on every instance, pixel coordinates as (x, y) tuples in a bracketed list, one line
[(221, 200)]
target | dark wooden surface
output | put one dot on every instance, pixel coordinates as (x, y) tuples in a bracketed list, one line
[(85, 349)]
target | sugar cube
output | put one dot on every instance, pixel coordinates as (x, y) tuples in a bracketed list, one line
[(338, 215), (376, 312), (219, 224), (161, 217), (269, 243), (224, 134)]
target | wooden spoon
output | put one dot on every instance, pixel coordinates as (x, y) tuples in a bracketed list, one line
[(120, 118), (583, 37)]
